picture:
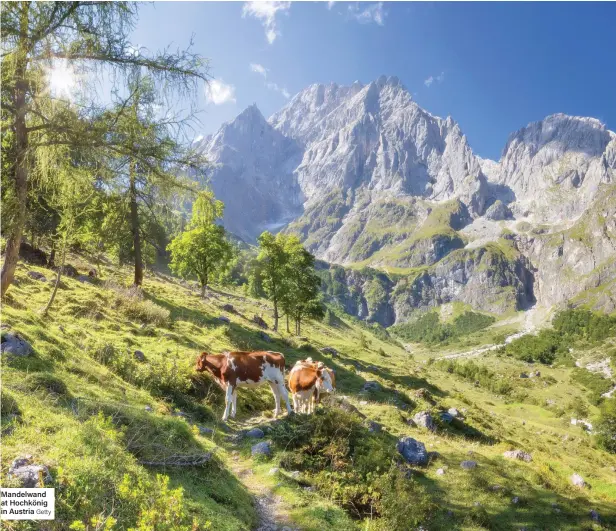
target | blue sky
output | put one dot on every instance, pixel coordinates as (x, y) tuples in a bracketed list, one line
[(493, 67)]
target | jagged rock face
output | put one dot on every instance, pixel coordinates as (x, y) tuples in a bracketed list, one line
[(555, 167), (367, 177), (252, 165), (581, 258)]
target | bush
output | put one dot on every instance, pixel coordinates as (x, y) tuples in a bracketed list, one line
[(585, 324), (133, 305), (8, 404), (606, 427), (429, 329), (37, 381), (476, 373), (545, 347), (404, 503), (338, 455), (595, 383)]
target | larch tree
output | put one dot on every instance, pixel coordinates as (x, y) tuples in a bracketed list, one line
[(90, 37), (202, 249)]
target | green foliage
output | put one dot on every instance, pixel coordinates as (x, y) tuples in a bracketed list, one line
[(585, 324), (595, 383), (45, 382), (131, 303), (474, 372), (429, 329), (606, 427), (545, 347)]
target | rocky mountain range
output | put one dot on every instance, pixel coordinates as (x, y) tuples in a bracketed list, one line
[(409, 217)]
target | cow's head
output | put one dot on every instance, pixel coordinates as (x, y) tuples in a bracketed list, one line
[(324, 376), (209, 362)]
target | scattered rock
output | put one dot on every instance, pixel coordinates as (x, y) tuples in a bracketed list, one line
[(258, 320), (535, 374), (515, 500), (495, 488), (577, 480), (139, 356), (255, 433), (180, 413), (594, 516), (224, 319), (363, 403), (440, 472), (370, 386), (468, 465), (413, 451), (518, 454), (263, 448), (331, 351), (498, 211), (453, 412), (265, 337), (273, 471), (424, 394), (83, 278), (35, 275), (15, 344), (228, 308), (148, 408), (425, 420), (28, 474), (446, 417), (295, 474), (523, 375), (204, 430), (374, 427)]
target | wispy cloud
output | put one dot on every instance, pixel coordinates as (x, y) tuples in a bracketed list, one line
[(266, 13), (219, 92), (439, 79), (367, 15), (262, 71), (258, 69)]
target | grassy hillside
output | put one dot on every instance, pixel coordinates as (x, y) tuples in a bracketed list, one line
[(113, 430)]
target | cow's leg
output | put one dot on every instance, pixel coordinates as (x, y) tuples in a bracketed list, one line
[(228, 402), (295, 403), (285, 395), (234, 404), (276, 393)]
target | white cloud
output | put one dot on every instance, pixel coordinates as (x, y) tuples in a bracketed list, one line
[(372, 13), (262, 71), (198, 139), (218, 92), (277, 88), (266, 13), (439, 79), (258, 69)]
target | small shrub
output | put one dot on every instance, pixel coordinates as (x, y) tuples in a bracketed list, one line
[(595, 383), (133, 305), (473, 372), (606, 427), (8, 404), (37, 381)]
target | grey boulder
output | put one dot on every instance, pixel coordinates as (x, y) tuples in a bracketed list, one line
[(264, 448), (15, 344), (413, 451)]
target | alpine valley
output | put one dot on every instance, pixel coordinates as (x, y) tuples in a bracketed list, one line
[(405, 217)]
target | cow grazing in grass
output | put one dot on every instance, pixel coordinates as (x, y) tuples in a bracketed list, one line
[(246, 369), (307, 380)]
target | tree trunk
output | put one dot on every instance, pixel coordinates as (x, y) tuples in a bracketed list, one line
[(203, 287), (288, 331), (57, 285), (11, 254), (275, 315), (52, 254), (134, 220)]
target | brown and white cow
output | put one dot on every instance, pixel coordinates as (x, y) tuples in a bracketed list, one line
[(307, 380), (246, 369)]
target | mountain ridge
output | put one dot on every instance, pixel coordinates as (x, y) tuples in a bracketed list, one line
[(366, 176)]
